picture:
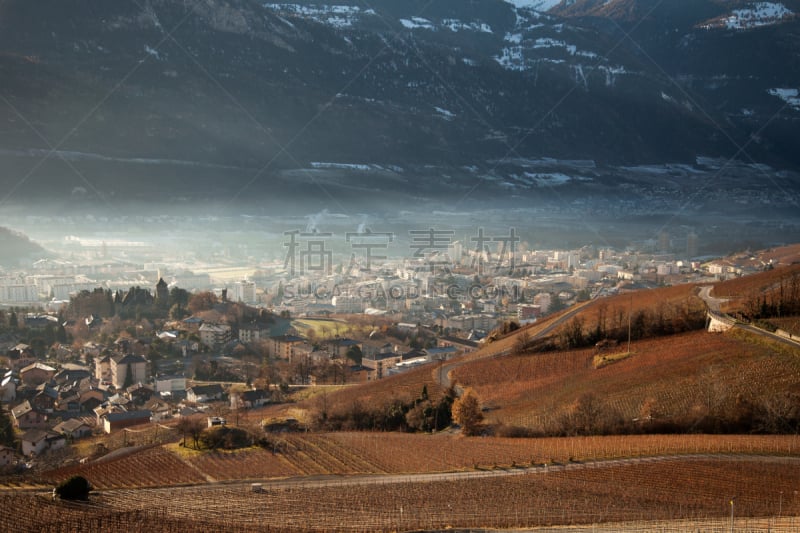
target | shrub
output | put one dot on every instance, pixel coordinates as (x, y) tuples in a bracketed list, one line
[(225, 437), (75, 488)]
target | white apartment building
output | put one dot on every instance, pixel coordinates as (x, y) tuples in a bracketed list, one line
[(244, 291)]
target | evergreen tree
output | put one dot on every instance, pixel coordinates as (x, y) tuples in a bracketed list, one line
[(6, 428), (128, 377)]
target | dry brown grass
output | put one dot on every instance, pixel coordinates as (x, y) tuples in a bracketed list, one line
[(745, 286), (673, 373)]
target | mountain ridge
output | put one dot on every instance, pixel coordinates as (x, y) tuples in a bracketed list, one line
[(273, 88)]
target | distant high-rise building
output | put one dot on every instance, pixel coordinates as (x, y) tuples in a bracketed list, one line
[(244, 291), (691, 245)]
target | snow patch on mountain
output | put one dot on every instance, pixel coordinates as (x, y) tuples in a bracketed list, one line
[(548, 179), (455, 25), (153, 52), (361, 167), (444, 113), (790, 96), (755, 15), (536, 5), (511, 58), (331, 15), (416, 23), (552, 43)]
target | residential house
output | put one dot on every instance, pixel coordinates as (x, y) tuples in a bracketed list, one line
[(128, 369), (7, 457), (36, 374), (90, 398), (159, 409), (124, 419), (26, 417), (170, 383), (338, 347), (379, 364), (214, 335), (253, 333), (441, 353), (73, 429), (69, 402), (192, 323), (283, 345), (20, 351), (139, 394), (187, 346), (102, 369), (35, 442), (461, 345), (249, 399), (44, 399), (204, 393), (71, 373)]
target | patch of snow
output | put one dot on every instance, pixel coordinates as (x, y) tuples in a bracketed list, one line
[(447, 115), (153, 52), (455, 25), (415, 23), (611, 74), (341, 166), (552, 43), (511, 58), (469, 62), (337, 16), (790, 96), (755, 15), (536, 5), (547, 179), (515, 38)]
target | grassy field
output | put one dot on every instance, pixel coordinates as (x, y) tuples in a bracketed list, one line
[(325, 328)]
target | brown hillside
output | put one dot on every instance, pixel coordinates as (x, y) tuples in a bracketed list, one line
[(673, 375), (741, 291), (674, 304)]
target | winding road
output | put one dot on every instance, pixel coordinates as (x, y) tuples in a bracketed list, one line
[(714, 306)]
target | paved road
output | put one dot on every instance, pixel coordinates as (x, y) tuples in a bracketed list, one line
[(713, 304), (714, 307), (387, 479)]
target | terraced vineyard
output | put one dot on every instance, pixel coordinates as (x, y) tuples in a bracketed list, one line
[(681, 493), (152, 466)]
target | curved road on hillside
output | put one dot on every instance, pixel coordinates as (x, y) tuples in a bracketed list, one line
[(714, 304), (443, 373)]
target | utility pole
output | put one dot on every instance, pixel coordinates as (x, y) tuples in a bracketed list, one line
[(630, 311)]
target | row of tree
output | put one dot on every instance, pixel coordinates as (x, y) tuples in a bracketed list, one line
[(590, 415), (418, 414), (620, 324), (783, 299)]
